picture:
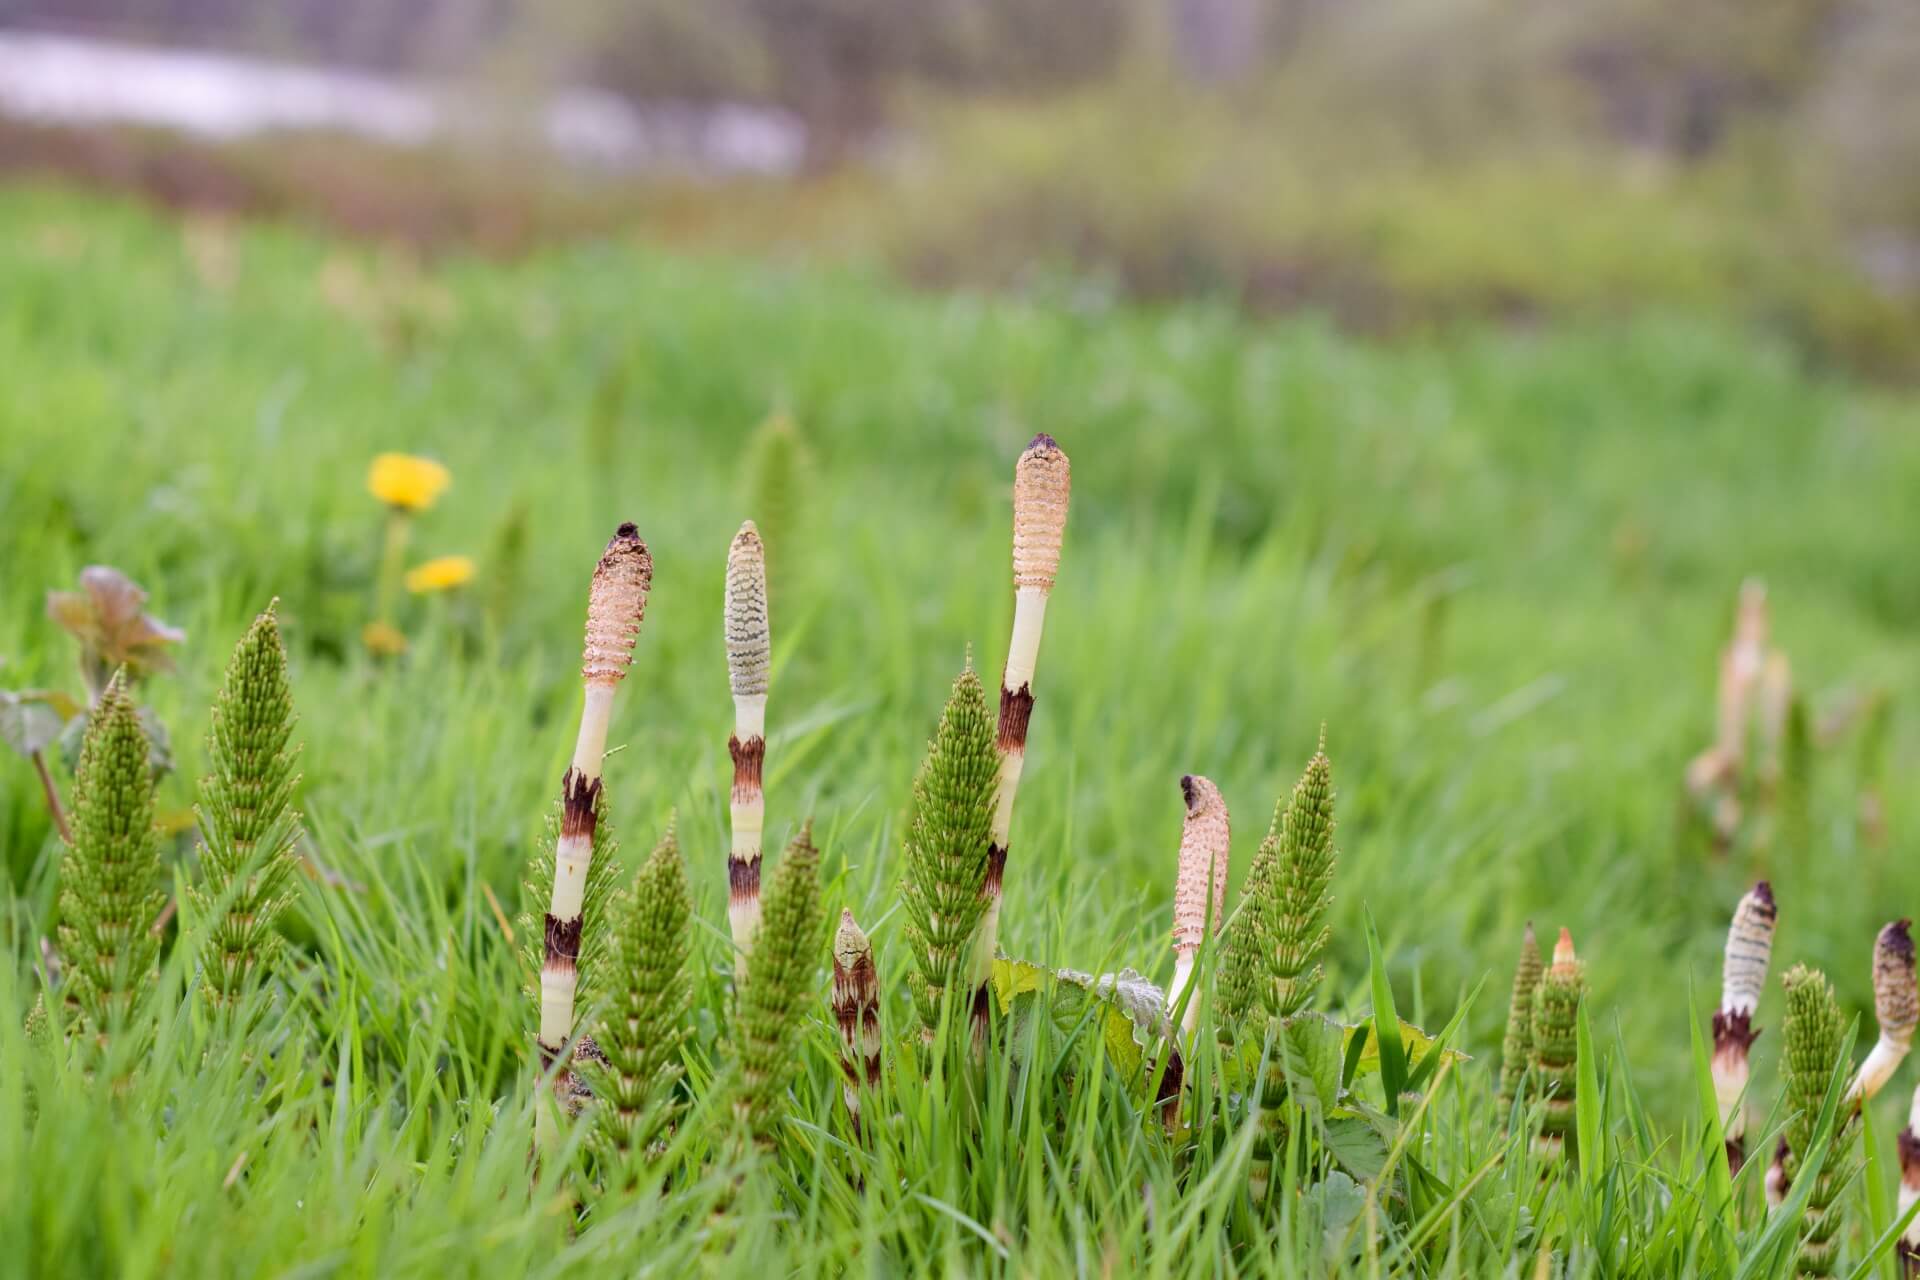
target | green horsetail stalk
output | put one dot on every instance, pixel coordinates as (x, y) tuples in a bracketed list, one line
[(1301, 899), (1812, 1029), (1293, 934), (1243, 946), (1042, 486), (1556, 1047), (644, 1023), (616, 604), (749, 659), (856, 1011), (1743, 975), (247, 822), (110, 878), (1200, 891), (948, 849), (1516, 1050), (778, 990), (1896, 1005), (1909, 1247)]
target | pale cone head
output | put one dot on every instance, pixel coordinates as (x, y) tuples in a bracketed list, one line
[(749, 637), (1205, 839), (615, 605), (1042, 484)]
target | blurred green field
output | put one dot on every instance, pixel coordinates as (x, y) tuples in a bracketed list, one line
[(1497, 565)]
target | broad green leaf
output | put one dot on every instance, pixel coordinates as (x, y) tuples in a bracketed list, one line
[(1340, 1202), (1357, 1145), (1128, 1010), (1309, 1049)]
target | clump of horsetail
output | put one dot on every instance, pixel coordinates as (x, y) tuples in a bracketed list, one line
[(1516, 1049), (947, 846), (1200, 891), (1042, 487), (778, 990), (1293, 934), (1909, 1246), (1896, 1006), (643, 1022), (247, 822), (1743, 975), (110, 879), (1714, 776), (616, 604), (1812, 1029), (749, 660), (1556, 1047), (856, 1011)]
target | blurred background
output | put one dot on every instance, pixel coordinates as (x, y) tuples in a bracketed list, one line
[(1396, 165)]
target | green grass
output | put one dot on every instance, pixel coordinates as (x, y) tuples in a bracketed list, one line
[(1497, 565)]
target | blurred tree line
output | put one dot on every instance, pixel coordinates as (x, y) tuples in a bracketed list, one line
[(1393, 161), (1676, 79)]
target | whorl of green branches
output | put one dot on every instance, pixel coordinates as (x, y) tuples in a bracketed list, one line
[(110, 879), (1300, 899), (946, 846), (779, 990), (1269, 954), (1243, 946), (1813, 1030), (247, 823), (1516, 1050), (643, 1022), (1554, 1025)]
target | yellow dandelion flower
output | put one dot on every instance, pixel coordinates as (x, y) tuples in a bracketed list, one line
[(440, 573), (383, 640), (407, 482)]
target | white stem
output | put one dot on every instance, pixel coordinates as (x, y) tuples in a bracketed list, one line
[(1023, 650), (1011, 765), (1730, 1077), (1876, 1070), (750, 716), (749, 817), (572, 856), (557, 987), (591, 746), (1182, 978)]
